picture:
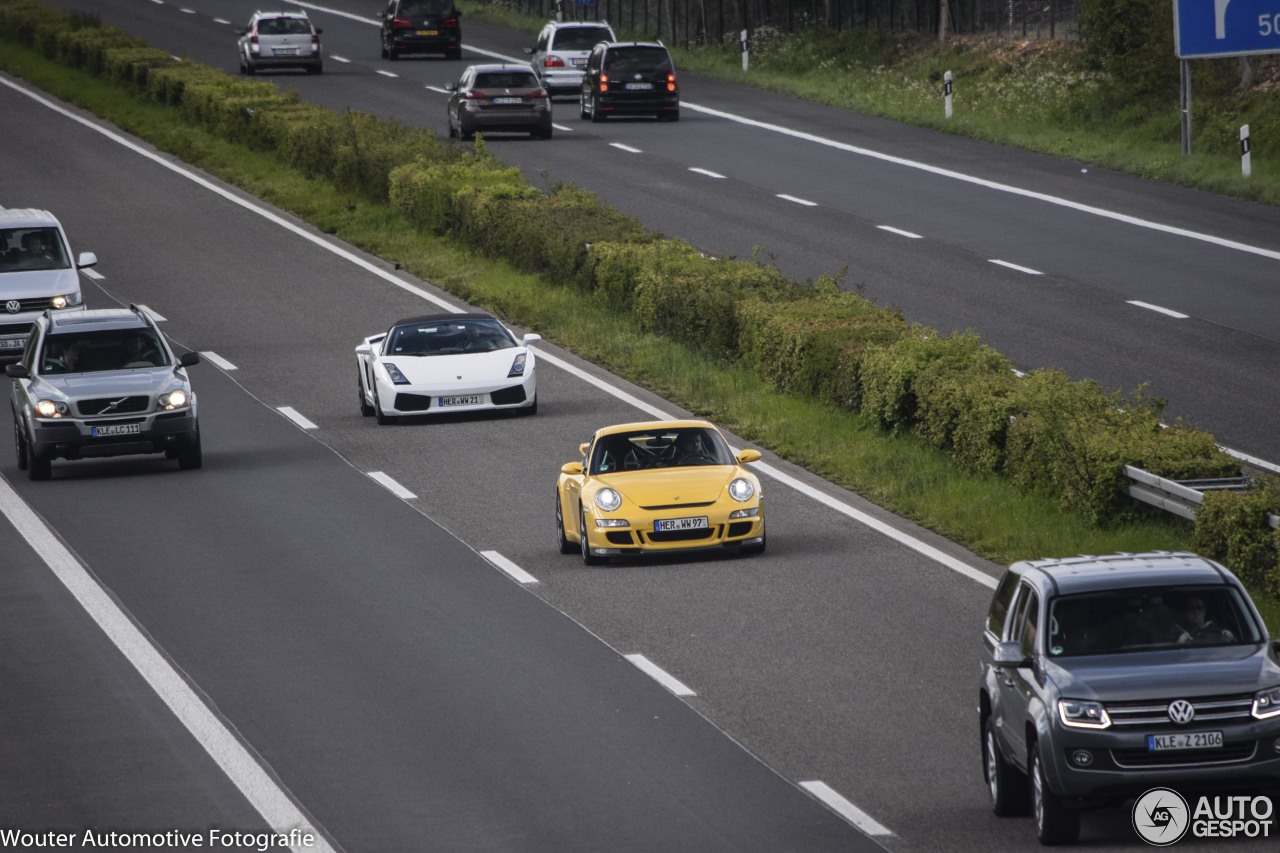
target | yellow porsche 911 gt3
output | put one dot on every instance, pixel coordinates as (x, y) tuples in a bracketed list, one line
[(658, 487)]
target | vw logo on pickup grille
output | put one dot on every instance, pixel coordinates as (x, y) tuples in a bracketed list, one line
[(13, 306), (1181, 711)]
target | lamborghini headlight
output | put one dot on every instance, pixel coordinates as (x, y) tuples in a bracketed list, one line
[(394, 372), (517, 366)]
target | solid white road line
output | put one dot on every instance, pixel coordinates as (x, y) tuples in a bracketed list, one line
[(1166, 311), (805, 202), (707, 172), (846, 809), (509, 567), (93, 274), (218, 360), (392, 486), (296, 416), (258, 786), (659, 675), (899, 232), (1027, 270)]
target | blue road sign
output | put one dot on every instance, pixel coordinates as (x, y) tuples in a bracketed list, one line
[(1205, 28)]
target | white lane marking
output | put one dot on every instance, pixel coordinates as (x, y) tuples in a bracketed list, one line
[(1166, 311), (509, 567), (445, 305), (152, 313), (221, 21), (187, 11), (181, 169), (252, 779), (805, 202), (294, 415), (158, 2), (438, 89), (1027, 270), (392, 486), (626, 148), (563, 128), (338, 58), (1252, 460), (93, 274), (387, 73), (218, 360), (659, 675), (707, 172), (846, 809), (899, 232)]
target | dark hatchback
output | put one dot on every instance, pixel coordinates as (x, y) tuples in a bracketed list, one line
[(421, 26), (1104, 677), (630, 78)]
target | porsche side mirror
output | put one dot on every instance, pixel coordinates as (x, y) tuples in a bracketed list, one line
[(573, 469)]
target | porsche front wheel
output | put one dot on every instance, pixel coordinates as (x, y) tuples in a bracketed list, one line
[(562, 541), (588, 558)]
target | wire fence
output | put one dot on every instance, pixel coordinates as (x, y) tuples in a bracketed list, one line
[(690, 23)]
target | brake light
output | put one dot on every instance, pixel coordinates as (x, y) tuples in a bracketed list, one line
[(401, 24), (474, 95), (315, 40), (604, 82), (671, 82), (253, 39), (450, 22), (536, 94), (553, 62)]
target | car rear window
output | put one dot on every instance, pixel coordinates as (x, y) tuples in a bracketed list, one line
[(638, 60), (283, 27), (506, 80), (426, 9), (580, 38)]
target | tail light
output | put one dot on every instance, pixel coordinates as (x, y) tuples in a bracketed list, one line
[(474, 95), (604, 82), (671, 82), (553, 62), (253, 39), (401, 24), (449, 22), (537, 94), (315, 40)]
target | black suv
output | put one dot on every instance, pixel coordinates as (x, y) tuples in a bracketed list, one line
[(630, 78), (421, 26), (1104, 677)]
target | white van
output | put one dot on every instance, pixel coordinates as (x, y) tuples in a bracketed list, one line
[(36, 274)]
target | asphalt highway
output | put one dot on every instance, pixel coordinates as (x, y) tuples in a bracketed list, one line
[(368, 654)]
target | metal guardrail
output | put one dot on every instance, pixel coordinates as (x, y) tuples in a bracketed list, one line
[(1181, 497)]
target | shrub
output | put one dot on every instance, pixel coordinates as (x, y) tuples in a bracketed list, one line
[(1232, 527)]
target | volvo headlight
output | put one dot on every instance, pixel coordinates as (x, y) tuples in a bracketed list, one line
[(1266, 703), (175, 399), (517, 366), (394, 372), (51, 408), (1083, 715), (741, 489), (608, 500)]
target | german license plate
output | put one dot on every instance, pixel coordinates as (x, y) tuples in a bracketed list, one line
[(118, 429), (469, 400), (286, 51), (1184, 740), (428, 32), (506, 100), (638, 87), (666, 525), (580, 61), (12, 343)]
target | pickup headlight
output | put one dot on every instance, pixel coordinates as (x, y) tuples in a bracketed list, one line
[(1266, 703), (608, 500), (175, 399), (517, 366), (741, 489), (394, 372), (1083, 715), (51, 408)]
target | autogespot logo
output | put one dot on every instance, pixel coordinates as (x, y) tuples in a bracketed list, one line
[(1160, 817)]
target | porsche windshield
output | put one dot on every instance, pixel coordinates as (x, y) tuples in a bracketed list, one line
[(448, 337), (635, 451)]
